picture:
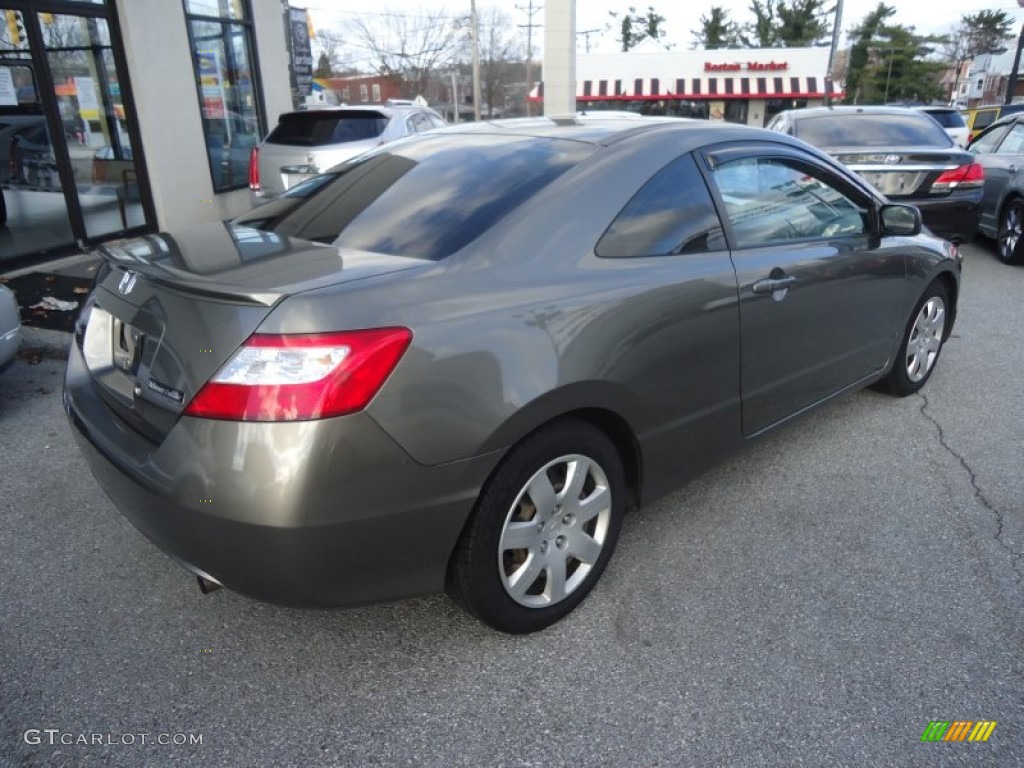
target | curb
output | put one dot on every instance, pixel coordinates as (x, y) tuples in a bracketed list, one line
[(44, 343)]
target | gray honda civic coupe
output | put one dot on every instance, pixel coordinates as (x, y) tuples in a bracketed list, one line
[(457, 361)]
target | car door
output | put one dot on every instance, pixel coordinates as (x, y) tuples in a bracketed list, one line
[(820, 294), (1000, 150)]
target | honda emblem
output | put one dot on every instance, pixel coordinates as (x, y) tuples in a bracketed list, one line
[(127, 283)]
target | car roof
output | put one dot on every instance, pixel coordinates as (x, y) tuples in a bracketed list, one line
[(388, 110), (608, 131), (849, 110)]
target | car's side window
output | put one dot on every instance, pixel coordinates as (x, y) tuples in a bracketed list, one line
[(671, 214), (987, 141), (1013, 144), (769, 200)]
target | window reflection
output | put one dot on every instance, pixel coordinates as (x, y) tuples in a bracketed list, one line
[(222, 58)]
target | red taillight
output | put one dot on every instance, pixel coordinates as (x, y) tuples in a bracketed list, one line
[(964, 177), (254, 169), (301, 377)]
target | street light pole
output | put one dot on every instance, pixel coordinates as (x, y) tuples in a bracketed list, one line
[(1011, 83), (888, 77)]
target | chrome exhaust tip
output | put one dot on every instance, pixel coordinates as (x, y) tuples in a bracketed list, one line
[(208, 585)]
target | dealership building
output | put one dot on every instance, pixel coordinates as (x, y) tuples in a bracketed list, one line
[(737, 85), (123, 116)]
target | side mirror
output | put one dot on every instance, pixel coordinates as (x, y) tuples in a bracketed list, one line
[(900, 220)]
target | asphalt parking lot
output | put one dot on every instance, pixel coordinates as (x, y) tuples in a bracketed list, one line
[(817, 600)]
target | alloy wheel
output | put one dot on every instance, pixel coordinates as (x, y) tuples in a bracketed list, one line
[(1013, 225), (926, 338), (555, 531)]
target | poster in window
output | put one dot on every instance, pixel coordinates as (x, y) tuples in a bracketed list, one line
[(302, 52), (8, 93), (211, 84)]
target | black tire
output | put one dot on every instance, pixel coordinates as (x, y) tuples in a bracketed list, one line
[(486, 566), (1010, 240), (923, 338)]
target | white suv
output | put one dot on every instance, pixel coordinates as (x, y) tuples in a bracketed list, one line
[(308, 142), (951, 121)]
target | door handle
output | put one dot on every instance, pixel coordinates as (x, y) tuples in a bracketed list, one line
[(773, 284), (1012, 168)]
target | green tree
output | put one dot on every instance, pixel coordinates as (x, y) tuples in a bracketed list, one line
[(634, 26), (716, 31), (902, 67), (986, 31), (787, 23), (323, 66), (862, 37)]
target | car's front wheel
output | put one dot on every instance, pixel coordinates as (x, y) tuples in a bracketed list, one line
[(922, 343), (543, 529), (1011, 233)]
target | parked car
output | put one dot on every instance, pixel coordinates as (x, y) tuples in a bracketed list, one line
[(26, 154), (905, 154), (1000, 150), (306, 142), (980, 118), (951, 121), (10, 327), (427, 369)]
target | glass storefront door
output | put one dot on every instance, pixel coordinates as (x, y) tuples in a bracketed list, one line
[(68, 172)]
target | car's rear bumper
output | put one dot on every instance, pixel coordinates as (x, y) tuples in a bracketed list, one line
[(310, 513), (953, 217)]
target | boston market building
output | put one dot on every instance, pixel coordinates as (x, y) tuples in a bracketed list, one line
[(737, 85)]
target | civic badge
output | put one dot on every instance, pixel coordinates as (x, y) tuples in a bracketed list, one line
[(892, 159), (127, 283)]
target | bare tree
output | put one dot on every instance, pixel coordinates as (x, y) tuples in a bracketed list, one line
[(407, 47), (501, 51)]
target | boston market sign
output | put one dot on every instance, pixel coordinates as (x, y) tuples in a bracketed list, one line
[(750, 66)]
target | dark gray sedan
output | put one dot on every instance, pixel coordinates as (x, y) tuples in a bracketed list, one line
[(457, 361), (904, 153), (1000, 150)]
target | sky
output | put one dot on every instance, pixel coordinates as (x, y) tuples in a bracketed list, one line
[(680, 18)]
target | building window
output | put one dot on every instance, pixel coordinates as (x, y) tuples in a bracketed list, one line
[(376, 92), (362, 93), (345, 96), (223, 56)]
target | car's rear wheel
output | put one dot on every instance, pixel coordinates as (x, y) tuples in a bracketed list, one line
[(922, 343), (1011, 233), (543, 529)]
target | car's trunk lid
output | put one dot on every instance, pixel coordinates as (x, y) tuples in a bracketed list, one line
[(902, 173), (168, 311)]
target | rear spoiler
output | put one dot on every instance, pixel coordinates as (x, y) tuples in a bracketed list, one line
[(136, 256)]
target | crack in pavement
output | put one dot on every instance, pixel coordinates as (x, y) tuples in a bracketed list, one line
[(1016, 557)]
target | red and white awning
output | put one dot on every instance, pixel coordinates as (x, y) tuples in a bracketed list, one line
[(698, 88)]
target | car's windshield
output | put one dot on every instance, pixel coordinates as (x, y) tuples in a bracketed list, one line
[(947, 118), (852, 129), (426, 197), (317, 128)]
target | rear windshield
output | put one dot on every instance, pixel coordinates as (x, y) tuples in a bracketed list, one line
[(427, 197), (315, 129), (850, 129), (947, 118)]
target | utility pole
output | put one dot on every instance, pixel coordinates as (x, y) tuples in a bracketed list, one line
[(476, 59), (586, 35), (530, 10), (836, 26)]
